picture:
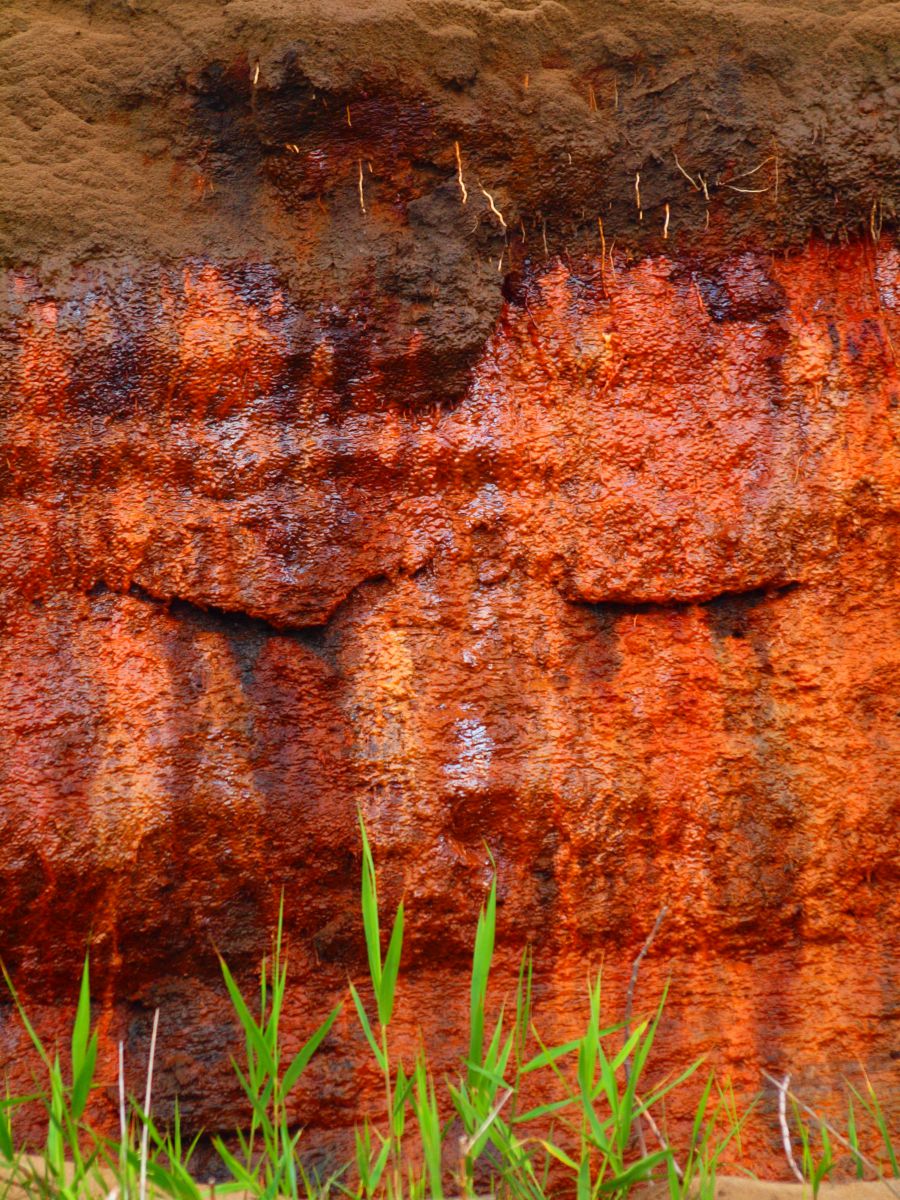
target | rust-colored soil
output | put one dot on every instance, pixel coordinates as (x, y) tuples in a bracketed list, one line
[(486, 415)]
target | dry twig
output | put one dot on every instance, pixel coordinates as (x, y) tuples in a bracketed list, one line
[(123, 1127), (148, 1095), (785, 1129), (783, 1093), (629, 1002), (467, 1145)]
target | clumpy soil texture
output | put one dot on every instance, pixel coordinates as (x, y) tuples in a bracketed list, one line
[(487, 416)]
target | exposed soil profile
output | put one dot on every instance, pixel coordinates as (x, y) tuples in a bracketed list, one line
[(486, 415)]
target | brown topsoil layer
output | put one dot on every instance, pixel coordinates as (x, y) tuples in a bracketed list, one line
[(163, 128)]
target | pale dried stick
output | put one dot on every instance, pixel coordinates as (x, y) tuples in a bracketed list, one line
[(467, 1145), (785, 1130), (629, 1001), (660, 1136), (123, 1128), (145, 1135)]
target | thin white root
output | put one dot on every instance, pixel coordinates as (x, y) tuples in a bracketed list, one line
[(637, 194), (698, 184), (602, 251), (744, 174), (493, 207), (362, 199), (875, 220), (666, 223), (693, 182), (459, 175), (748, 191), (729, 183)]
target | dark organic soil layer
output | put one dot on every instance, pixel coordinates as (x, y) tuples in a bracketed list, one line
[(165, 129)]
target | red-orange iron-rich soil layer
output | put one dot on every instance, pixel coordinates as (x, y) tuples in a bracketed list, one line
[(627, 611), (344, 462)]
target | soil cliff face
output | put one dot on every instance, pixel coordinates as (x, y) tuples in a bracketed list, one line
[(485, 416)]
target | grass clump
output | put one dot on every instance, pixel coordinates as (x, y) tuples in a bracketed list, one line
[(467, 1136)]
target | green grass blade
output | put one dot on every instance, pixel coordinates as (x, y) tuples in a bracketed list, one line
[(55, 1150), (367, 1028), (878, 1115), (425, 1105), (172, 1181), (853, 1138), (7, 1139), (628, 1049), (370, 911), (391, 969), (664, 1089), (482, 957), (559, 1154), (84, 1078), (247, 1179), (253, 1033), (542, 1110), (583, 1180), (496, 1081), (23, 1016), (550, 1055), (302, 1058), (402, 1090), (636, 1173), (82, 1026)]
